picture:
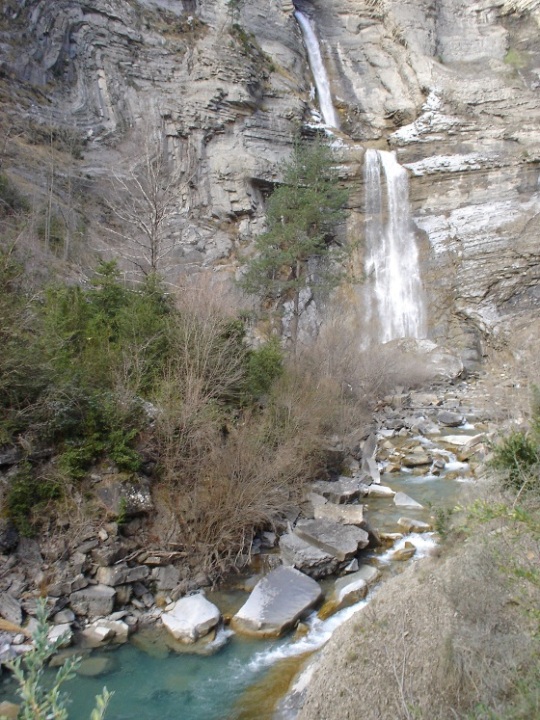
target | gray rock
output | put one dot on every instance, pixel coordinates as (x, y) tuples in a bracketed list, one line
[(125, 498), (104, 631), (369, 466), (450, 419), (10, 608), (344, 490), (63, 617), (9, 536), (277, 602), (416, 459), (411, 525), (166, 577), (121, 574), (306, 557), (401, 499), (341, 541), (191, 618), (344, 514), (93, 601), (63, 632)]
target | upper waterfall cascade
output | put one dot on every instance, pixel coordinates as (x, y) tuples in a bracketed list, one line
[(395, 297), (318, 70)]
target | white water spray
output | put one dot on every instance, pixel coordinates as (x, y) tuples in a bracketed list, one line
[(318, 71), (395, 298)]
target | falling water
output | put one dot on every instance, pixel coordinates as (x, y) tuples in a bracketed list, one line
[(394, 287), (318, 70)]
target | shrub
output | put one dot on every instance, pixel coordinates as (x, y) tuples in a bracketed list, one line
[(29, 493), (517, 458)]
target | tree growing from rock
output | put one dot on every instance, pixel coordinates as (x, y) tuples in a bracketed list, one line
[(299, 250)]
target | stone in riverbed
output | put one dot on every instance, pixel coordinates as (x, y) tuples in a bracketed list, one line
[(278, 600), (64, 632), (344, 490), (191, 618), (380, 490), (450, 419), (9, 710), (95, 666), (344, 514), (350, 589), (341, 541), (405, 553), (103, 631), (401, 499), (410, 525), (305, 557)]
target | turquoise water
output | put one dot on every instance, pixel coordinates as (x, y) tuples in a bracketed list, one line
[(165, 685)]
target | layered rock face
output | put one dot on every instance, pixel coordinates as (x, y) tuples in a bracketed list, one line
[(223, 86)]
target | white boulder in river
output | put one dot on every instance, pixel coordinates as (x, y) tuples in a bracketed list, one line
[(191, 618), (276, 603)]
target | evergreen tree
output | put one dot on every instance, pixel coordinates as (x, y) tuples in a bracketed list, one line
[(299, 249)]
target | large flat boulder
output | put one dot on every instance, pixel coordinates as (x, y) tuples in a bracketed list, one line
[(341, 541), (305, 557), (94, 601), (276, 603), (191, 618)]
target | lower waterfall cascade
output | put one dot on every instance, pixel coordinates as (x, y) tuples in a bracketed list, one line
[(393, 291)]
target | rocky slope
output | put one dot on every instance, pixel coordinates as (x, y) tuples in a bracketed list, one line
[(223, 86)]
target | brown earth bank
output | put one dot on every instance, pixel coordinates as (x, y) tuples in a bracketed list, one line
[(454, 636)]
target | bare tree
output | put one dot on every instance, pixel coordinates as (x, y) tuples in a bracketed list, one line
[(146, 201)]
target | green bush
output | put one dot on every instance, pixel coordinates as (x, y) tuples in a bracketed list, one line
[(517, 458), (26, 495), (264, 367)]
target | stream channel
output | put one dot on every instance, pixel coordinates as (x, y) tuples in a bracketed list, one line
[(150, 682)]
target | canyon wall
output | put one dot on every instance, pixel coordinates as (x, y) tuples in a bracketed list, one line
[(223, 86)]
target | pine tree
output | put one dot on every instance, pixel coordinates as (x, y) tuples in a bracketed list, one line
[(299, 248)]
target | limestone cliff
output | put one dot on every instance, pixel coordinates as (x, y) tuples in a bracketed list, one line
[(451, 85)]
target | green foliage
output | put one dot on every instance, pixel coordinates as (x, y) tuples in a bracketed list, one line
[(42, 699), (517, 457), (264, 367), (28, 493), (299, 250)]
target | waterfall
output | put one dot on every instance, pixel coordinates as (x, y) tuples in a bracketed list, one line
[(318, 71), (394, 289)]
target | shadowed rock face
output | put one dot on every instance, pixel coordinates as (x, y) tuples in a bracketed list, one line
[(451, 86)]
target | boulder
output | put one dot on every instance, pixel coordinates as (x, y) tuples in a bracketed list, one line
[(341, 541), (64, 616), (380, 491), (9, 536), (344, 514), (416, 459), (9, 710), (450, 419), (10, 608), (102, 631), (94, 600), (124, 497), (401, 499), (166, 577), (344, 490), (305, 557), (95, 666), (277, 602), (370, 468), (405, 553), (350, 589), (417, 526), (191, 618), (121, 574), (63, 632)]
